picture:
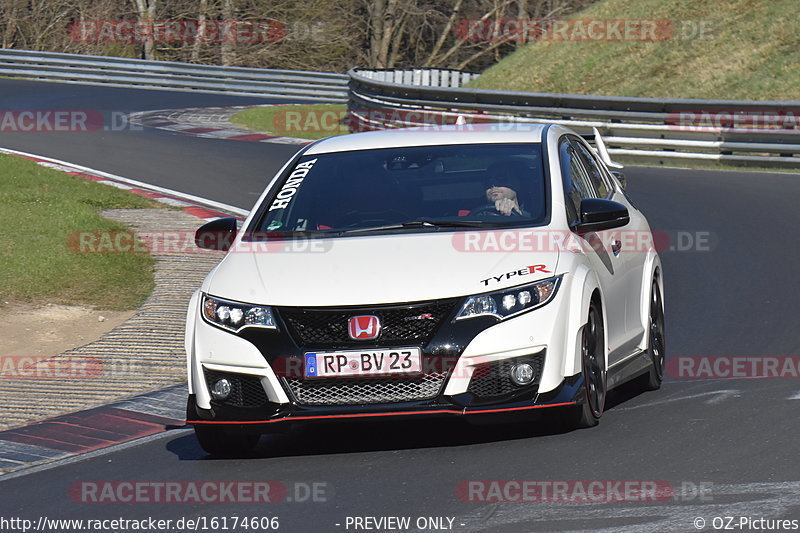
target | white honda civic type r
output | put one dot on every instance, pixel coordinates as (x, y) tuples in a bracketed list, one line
[(452, 271)]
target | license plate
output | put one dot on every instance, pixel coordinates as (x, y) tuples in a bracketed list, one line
[(363, 363)]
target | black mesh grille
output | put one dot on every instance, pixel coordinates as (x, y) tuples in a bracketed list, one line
[(246, 391), (351, 391), (328, 328), (492, 379)]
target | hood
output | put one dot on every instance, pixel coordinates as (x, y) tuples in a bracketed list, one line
[(375, 269)]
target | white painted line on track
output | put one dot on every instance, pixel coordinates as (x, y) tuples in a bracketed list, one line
[(72, 167), (716, 396)]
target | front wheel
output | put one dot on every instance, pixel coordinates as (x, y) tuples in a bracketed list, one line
[(216, 441), (594, 372)]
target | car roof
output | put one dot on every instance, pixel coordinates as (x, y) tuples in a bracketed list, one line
[(431, 136)]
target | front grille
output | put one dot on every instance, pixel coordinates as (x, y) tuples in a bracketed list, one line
[(492, 379), (328, 328), (246, 391), (353, 391)]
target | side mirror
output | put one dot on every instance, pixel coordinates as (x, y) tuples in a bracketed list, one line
[(217, 234), (598, 215), (620, 178)]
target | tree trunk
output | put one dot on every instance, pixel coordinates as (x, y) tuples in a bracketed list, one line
[(522, 12), (147, 12), (376, 10), (201, 30), (227, 47)]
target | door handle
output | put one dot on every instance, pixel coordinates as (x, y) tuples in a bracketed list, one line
[(616, 247)]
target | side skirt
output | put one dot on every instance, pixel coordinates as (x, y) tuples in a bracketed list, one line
[(628, 368)]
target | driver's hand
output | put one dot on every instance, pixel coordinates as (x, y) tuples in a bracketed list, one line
[(504, 199), (507, 206)]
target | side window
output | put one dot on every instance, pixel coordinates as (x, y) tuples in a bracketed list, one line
[(595, 173), (575, 180)]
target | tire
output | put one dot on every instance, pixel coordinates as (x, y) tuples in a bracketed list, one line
[(593, 368), (656, 344), (218, 442)]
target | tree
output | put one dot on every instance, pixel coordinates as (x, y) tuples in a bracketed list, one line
[(146, 10)]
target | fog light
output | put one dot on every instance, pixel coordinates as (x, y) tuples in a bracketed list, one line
[(522, 374), (221, 389)]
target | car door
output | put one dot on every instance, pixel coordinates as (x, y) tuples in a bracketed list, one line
[(630, 243), (636, 241), (606, 261)]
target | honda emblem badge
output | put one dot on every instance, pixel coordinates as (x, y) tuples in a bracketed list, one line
[(364, 327)]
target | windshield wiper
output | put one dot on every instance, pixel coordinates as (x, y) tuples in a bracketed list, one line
[(435, 224), (266, 235)]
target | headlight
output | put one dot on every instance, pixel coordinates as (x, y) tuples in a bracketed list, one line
[(510, 302), (233, 316)]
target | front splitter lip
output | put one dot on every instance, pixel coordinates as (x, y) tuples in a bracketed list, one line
[(566, 394), (465, 411)]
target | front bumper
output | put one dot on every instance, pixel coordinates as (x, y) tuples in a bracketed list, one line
[(457, 350), (569, 392)]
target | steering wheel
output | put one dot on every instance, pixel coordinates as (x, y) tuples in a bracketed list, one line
[(486, 210), (381, 216), (491, 210)]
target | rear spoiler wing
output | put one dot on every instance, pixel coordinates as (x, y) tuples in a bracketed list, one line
[(600, 146)]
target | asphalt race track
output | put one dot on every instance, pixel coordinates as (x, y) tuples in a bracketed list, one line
[(728, 447), (189, 164)]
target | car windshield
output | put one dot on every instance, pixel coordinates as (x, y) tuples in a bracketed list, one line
[(420, 188)]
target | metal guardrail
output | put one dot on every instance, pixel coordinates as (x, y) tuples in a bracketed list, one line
[(635, 129), (136, 73), (424, 77)]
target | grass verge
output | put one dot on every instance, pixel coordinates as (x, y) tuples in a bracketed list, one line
[(719, 49), (305, 121), (39, 209)]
